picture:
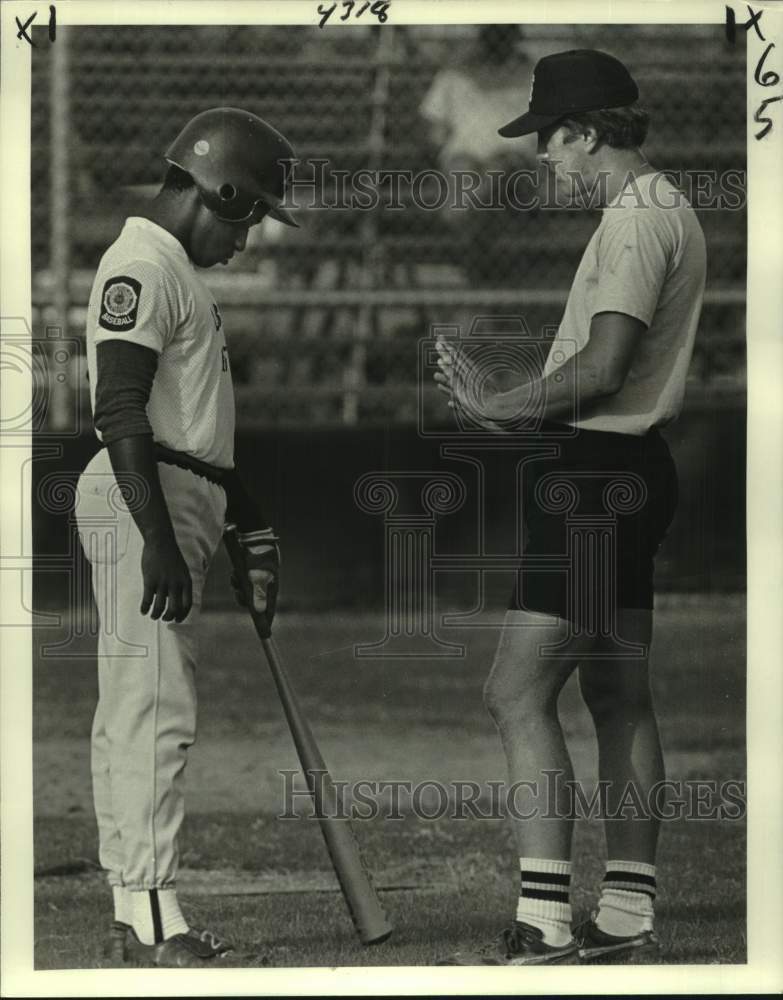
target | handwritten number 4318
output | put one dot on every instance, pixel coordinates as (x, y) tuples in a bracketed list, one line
[(378, 8)]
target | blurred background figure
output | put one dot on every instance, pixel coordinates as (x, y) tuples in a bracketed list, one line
[(464, 108)]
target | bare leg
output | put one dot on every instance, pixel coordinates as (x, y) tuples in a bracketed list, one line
[(521, 696), (617, 693)]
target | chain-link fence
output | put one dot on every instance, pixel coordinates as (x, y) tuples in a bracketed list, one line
[(324, 322)]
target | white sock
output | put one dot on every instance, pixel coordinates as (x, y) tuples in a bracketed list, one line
[(627, 893), (156, 915), (123, 904), (543, 900)]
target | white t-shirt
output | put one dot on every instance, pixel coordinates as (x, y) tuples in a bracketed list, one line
[(474, 113), (147, 292), (647, 259)]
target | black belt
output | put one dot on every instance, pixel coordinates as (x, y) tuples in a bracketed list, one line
[(179, 458)]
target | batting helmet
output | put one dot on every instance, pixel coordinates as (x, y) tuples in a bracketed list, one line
[(237, 161)]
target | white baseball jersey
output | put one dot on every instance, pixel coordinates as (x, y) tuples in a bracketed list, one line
[(647, 259), (148, 292)]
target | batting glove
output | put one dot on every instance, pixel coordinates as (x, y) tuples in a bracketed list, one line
[(261, 564)]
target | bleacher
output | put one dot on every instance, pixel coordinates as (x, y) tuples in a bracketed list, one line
[(324, 321)]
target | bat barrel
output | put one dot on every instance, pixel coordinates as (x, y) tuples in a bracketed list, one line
[(355, 881)]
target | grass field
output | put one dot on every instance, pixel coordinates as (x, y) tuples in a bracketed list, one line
[(446, 883)]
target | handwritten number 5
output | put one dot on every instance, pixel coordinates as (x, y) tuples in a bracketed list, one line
[(759, 118)]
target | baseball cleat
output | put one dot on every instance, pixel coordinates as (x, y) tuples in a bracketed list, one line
[(596, 945), (114, 945), (519, 944), (195, 949)]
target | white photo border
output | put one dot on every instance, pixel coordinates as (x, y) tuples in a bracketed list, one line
[(764, 969)]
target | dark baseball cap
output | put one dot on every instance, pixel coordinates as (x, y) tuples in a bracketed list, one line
[(570, 82)]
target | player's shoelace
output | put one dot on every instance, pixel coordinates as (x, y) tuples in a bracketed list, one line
[(217, 944), (518, 939), (582, 930)]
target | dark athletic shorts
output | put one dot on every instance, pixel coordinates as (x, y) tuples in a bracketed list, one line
[(595, 517)]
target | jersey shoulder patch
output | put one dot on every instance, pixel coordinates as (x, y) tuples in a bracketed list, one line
[(120, 303)]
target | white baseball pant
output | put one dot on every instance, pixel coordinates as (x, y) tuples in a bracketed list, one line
[(146, 714)]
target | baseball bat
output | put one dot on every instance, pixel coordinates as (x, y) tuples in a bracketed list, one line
[(369, 918)]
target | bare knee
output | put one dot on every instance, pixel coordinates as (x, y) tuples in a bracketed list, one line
[(494, 700), (526, 677), (529, 699)]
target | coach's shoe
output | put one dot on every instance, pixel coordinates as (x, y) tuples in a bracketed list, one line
[(194, 950), (596, 945), (519, 944)]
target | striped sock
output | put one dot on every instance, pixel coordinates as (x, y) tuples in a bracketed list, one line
[(627, 893), (156, 915), (543, 899)]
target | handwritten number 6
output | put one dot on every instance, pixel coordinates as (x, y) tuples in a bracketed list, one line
[(770, 78)]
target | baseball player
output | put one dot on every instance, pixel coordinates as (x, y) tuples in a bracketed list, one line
[(615, 374), (153, 502)]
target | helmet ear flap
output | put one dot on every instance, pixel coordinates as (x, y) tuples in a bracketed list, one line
[(227, 143)]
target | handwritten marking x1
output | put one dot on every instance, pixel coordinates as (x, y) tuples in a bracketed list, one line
[(22, 32)]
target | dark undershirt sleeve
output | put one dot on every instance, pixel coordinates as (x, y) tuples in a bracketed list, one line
[(125, 375), (122, 390)]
